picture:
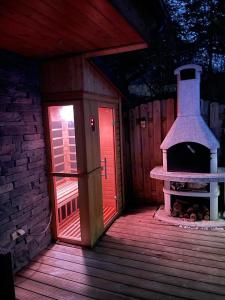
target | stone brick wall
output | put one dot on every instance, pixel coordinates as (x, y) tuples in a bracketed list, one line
[(24, 202)]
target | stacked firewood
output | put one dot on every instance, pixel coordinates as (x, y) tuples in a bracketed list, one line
[(192, 212)]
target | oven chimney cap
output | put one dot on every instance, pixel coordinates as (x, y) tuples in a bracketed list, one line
[(197, 68)]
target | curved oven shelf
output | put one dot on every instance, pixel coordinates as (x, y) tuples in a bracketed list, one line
[(191, 193), (159, 173)]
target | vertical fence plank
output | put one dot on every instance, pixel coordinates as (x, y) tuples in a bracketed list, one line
[(170, 113), (127, 173), (145, 142), (214, 118), (152, 186), (157, 139), (138, 154), (164, 118), (145, 150), (205, 110), (157, 131), (133, 165), (222, 136)]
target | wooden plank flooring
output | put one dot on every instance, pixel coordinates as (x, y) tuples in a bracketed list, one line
[(71, 228), (138, 258)]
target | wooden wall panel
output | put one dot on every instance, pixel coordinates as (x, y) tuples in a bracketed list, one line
[(95, 205), (157, 139), (73, 74), (138, 153), (96, 82), (62, 75), (132, 165), (91, 137), (118, 157), (145, 144)]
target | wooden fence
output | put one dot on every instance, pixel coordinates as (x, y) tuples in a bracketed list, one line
[(145, 128)]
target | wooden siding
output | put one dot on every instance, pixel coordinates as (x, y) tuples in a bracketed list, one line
[(73, 74), (49, 28), (62, 75), (96, 82), (138, 258), (143, 144), (119, 156)]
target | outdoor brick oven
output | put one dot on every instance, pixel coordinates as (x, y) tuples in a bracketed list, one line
[(190, 168)]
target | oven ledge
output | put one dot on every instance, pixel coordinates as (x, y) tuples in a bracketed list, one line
[(159, 173)]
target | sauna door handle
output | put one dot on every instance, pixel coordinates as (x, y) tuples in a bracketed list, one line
[(104, 167)]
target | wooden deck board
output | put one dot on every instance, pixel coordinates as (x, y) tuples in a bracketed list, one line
[(138, 258)]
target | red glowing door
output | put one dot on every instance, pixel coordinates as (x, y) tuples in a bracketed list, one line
[(107, 151)]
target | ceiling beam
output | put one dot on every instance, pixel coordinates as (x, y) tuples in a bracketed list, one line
[(116, 50)]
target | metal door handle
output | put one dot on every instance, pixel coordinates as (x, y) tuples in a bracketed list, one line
[(104, 167)]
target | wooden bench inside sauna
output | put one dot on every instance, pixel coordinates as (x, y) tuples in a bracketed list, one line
[(68, 209)]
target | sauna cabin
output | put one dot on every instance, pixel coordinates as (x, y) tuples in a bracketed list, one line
[(82, 122)]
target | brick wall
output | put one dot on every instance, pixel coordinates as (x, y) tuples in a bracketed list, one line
[(24, 199)]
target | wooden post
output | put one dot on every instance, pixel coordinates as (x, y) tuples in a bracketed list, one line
[(213, 201), (157, 139), (167, 198)]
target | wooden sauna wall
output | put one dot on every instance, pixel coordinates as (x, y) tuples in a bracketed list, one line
[(142, 145), (104, 93), (75, 79), (62, 75)]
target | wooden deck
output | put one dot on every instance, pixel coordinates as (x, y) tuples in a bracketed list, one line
[(138, 258)]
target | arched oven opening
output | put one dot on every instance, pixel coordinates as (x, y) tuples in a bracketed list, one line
[(188, 157)]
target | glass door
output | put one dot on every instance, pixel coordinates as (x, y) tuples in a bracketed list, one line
[(108, 161), (63, 171)]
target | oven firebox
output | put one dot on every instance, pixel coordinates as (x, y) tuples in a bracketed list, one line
[(188, 157)]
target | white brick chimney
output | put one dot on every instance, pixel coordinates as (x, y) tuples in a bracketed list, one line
[(189, 125)]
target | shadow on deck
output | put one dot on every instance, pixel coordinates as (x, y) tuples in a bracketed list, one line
[(137, 258)]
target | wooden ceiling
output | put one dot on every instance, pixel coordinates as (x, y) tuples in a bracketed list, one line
[(47, 28)]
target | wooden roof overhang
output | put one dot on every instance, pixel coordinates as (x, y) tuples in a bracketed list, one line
[(46, 28)]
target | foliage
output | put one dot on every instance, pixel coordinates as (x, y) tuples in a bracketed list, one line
[(194, 32), (200, 26)]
